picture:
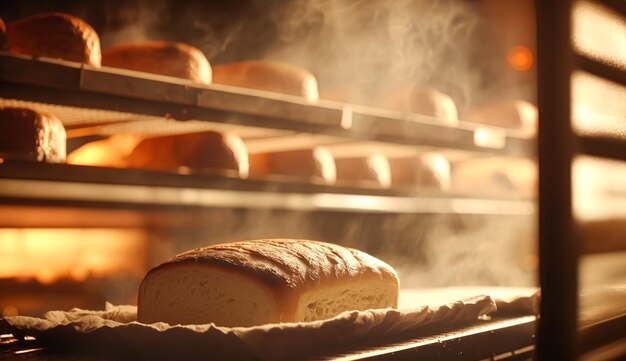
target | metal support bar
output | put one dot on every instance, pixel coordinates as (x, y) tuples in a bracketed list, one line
[(617, 5), (558, 248), (602, 146), (602, 70)]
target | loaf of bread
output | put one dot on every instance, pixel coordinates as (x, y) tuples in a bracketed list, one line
[(55, 35), (316, 164), (270, 76), (26, 134), (195, 151), (373, 169), (265, 281), (430, 170), (517, 114), (496, 175), (425, 101), (160, 57)]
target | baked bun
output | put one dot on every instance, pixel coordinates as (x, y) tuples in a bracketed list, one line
[(26, 134), (270, 76), (55, 35), (266, 281), (429, 170), (3, 35), (110, 152), (195, 151), (159, 57), (312, 164), (373, 169), (426, 101), (516, 114)]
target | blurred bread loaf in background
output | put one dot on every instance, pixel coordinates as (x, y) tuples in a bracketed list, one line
[(160, 57), (428, 170), (516, 114), (195, 151), (55, 35), (373, 170), (271, 76), (315, 164), (425, 101), (27, 134)]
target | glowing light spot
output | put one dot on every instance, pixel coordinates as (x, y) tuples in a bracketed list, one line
[(9, 311), (520, 58)]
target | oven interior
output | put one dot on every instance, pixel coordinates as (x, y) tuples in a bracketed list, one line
[(79, 236)]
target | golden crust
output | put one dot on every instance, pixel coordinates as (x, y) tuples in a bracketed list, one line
[(270, 76), (55, 35), (160, 57), (289, 263), (29, 135)]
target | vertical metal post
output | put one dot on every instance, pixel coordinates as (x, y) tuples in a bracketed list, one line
[(558, 248)]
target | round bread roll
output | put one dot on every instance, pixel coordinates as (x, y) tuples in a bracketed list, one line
[(429, 170), (3, 35), (424, 101), (196, 151), (258, 282), (159, 57), (26, 134), (373, 169), (55, 35), (516, 114), (313, 164), (270, 76), (111, 152)]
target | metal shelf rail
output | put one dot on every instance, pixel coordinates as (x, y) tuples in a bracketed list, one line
[(558, 336)]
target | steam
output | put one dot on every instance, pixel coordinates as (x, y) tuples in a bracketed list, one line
[(131, 22), (427, 251), (363, 49), (373, 49)]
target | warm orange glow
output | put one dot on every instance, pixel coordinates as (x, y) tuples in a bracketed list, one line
[(520, 58), (110, 152), (50, 254), (9, 311)]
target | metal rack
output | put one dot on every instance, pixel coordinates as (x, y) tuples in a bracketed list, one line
[(103, 101), (559, 243)]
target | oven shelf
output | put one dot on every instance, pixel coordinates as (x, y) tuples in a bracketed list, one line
[(25, 183), (104, 101), (500, 339)]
